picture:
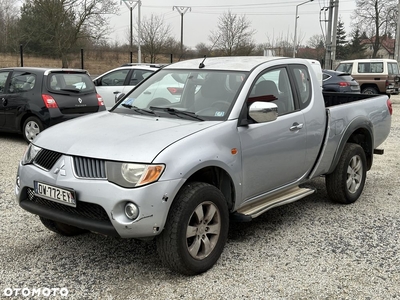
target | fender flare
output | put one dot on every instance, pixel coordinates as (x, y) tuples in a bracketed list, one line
[(358, 126)]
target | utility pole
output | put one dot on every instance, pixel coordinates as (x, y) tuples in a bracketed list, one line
[(182, 10), (328, 42), (295, 26), (131, 4), (397, 41), (334, 34)]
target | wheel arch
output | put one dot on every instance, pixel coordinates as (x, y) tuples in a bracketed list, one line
[(369, 85), (359, 132), (219, 178)]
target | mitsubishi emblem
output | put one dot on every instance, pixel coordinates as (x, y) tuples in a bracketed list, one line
[(60, 169)]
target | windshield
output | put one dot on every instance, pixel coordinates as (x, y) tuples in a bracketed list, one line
[(201, 94)]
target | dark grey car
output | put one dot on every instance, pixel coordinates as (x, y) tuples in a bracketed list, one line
[(334, 81), (33, 99)]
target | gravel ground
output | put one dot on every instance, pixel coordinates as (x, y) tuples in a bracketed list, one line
[(310, 249)]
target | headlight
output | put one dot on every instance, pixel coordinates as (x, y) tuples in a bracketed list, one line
[(30, 154), (133, 175)]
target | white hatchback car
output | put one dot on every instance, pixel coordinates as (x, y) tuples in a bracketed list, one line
[(121, 80)]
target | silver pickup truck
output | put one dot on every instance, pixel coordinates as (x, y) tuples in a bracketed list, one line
[(196, 145)]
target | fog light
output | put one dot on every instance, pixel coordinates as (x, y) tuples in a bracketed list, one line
[(131, 211)]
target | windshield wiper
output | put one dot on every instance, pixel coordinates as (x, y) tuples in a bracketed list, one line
[(177, 112), (138, 110)]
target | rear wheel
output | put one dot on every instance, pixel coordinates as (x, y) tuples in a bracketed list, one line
[(346, 183), (370, 90), (196, 229), (31, 128), (61, 228)]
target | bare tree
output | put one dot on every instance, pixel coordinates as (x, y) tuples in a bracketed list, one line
[(376, 18), (155, 37), (316, 41), (56, 27), (8, 24), (234, 35)]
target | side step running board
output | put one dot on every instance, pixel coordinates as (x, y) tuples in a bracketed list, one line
[(256, 208)]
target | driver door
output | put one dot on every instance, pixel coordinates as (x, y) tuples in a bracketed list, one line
[(273, 153)]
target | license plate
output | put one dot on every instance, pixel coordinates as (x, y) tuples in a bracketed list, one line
[(54, 193)]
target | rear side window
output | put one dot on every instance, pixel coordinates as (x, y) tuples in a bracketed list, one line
[(393, 69), (70, 82), (22, 82), (345, 67), (303, 84), (138, 76), (325, 76), (370, 67)]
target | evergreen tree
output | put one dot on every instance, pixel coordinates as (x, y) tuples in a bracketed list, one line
[(341, 49), (355, 48)]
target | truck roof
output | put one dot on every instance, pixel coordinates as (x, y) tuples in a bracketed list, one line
[(234, 63)]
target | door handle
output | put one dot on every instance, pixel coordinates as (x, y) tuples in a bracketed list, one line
[(296, 126)]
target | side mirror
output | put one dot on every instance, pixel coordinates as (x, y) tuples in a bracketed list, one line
[(263, 112), (96, 82), (119, 96)]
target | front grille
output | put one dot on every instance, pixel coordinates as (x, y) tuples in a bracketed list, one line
[(83, 209), (46, 159), (89, 168)]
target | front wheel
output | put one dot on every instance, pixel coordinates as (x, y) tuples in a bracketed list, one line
[(196, 229), (346, 183)]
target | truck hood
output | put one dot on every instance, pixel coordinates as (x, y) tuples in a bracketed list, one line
[(115, 136)]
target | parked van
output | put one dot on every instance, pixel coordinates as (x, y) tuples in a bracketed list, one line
[(375, 76)]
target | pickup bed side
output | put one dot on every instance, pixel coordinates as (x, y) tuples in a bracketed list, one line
[(353, 118)]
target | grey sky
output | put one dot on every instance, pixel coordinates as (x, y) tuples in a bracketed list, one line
[(272, 19)]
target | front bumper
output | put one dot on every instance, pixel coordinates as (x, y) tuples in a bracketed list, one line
[(100, 204)]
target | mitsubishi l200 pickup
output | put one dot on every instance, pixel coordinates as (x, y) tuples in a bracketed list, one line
[(197, 144)]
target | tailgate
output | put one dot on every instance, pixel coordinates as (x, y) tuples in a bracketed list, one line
[(73, 90), (76, 103)]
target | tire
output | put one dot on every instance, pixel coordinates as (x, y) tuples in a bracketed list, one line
[(61, 228), (347, 181), (31, 128), (185, 251), (370, 91)]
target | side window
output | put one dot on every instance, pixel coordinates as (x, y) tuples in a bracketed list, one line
[(303, 85), (364, 68), (138, 76), (3, 79), (345, 67), (274, 86), (377, 67), (115, 78), (22, 82)]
